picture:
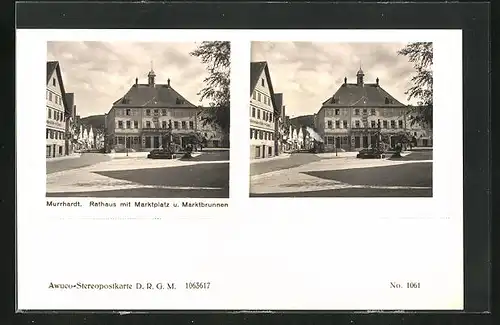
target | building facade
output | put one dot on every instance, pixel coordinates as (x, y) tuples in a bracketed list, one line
[(263, 112), (359, 114), (142, 118), (57, 113)]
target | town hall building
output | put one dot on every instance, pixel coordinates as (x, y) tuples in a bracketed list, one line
[(353, 116), (147, 112)]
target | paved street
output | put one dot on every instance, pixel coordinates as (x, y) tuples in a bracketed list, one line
[(205, 176), (86, 159), (409, 176)]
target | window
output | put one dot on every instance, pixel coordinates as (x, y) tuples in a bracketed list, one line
[(253, 111), (55, 115), (148, 124), (60, 150), (400, 122), (183, 123), (337, 124), (136, 124), (176, 124), (120, 124), (261, 135), (251, 133), (373, 124), (387, 100), (385, 124), (393, 124), (356, 111), (365, 111), (191, 124), (337, 111), (164, 112), (271, 135), (156, 112), (345, 124), (262, 82), (163, 124), (356, 124), (128, 124), (127, 112), (258, 113), (47, 131), (54, 82), (254, 95), (148, 112), (258, 97), (50, 96), (330, 124), (265, 135), (373, 111), (49, 113)]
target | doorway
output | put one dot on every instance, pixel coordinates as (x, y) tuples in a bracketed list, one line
[(357, 142), (156, 141), (263, 151), (148, 142), (365, 142)]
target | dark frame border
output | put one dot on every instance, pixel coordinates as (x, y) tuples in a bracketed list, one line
[(472, 18)]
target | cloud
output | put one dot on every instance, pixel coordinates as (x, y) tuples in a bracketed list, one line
[(99, 73), (308, 73)]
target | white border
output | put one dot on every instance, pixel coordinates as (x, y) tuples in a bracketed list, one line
[(260, 253)]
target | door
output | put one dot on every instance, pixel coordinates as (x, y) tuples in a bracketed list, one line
[(257, 152), (365, 142), (156, 142), (148, 142), (216, 143), (357, 142), (47, 151), (127, 142), (337, 142), (53, 150), (263, 151), (393, 142)]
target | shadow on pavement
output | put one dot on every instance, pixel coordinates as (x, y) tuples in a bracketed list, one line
[(210, 156), (416, 155), (295, 160), (199, 175), (354, 192), (413, 174), (149, 193)]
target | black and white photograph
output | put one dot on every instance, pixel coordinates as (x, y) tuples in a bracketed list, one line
[(137, 119), (341, 119)]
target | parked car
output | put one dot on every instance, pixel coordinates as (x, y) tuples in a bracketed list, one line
[(372, 153), (161, 154)]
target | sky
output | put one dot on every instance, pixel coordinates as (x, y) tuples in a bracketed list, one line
[(99, 73), (309, 73)]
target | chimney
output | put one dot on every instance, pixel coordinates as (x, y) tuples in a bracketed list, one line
[(377, 80), (136, 81), (345, 80), (168, 82)]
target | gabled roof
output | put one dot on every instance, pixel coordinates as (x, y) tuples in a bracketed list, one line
[(159, 95), (256, 69), (51, 66), (361, 96)]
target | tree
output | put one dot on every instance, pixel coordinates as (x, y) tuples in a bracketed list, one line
[(420, 54), (216, 55)]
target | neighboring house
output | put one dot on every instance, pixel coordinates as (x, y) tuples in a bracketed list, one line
[(350, 118), (212, 134), (141, 118), (263, 112), (57, 112)]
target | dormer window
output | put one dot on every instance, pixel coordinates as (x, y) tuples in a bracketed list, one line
[(262, 82), (387, 100), (54, 82)]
